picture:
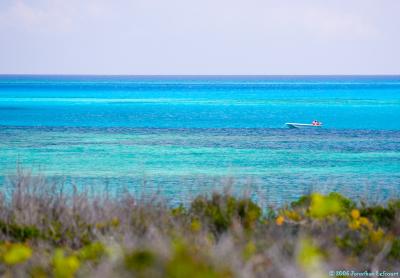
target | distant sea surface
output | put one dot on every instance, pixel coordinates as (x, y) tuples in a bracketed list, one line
[(180, 136)]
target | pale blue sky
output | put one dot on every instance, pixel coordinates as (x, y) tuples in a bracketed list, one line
[(200, 37)]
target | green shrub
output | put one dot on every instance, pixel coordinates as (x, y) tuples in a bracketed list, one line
[(302, 202), (186, 262), (220, 211), (320, 206), (379, 215), (19, 232), (178, 211), (395, 251), (139, 260), (93, 252)]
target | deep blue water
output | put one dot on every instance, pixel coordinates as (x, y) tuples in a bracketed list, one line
[(185, 135)]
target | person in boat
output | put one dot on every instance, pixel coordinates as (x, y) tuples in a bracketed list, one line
[(316, 123)]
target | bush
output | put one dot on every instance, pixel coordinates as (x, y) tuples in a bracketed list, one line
[(213, 236), (221, 210)]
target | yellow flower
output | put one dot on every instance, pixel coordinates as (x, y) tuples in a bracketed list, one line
[(249, 250), (115, 222), (195, 225), (18, 253), (100, 225), (310, 258), (354, 225), (293, 215), (64, 267), (365, 222), (376, 236), (355, 214), (279, 220), (324, 206)]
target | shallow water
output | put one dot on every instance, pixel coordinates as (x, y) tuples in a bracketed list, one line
[(185, 136)]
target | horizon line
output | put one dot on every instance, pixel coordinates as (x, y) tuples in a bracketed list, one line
[(204, 75)]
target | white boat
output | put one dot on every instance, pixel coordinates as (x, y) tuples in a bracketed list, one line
[(299, 125)]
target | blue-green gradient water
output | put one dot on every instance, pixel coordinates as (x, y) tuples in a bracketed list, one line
[(183, 135)]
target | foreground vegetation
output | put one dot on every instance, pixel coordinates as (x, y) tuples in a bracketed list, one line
[(47, 233)]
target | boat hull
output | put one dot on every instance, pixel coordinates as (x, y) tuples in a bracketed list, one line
[(299, 125)]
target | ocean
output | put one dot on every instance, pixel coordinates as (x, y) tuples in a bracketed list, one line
[(181, 136)]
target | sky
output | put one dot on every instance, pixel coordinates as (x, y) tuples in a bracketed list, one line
[(200, 37)]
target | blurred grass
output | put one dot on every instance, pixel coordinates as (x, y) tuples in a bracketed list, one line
[(45, 232)]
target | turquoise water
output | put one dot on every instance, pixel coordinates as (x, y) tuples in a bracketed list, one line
[(181, 136)]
